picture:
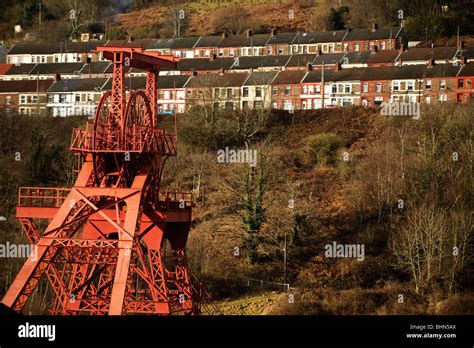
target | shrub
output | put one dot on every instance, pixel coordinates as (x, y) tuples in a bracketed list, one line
[(322, 148)]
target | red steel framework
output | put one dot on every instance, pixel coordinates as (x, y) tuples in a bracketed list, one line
[(115, 244)]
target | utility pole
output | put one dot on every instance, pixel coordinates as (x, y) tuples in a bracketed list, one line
[(284, 262), (322, 86)]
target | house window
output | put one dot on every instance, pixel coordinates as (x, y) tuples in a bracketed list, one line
[(280, 50), (333, 88), (258, 91), (221, 53), (371, 46), (410, 85), (229, 106), (231, 52), (347, 89), (245, 105), (258, 104), (305, 49), (346, 47), (317, 89), (255, 51), (460, 83), (269, 51), (346, 102), (382, 45), (8, 100), (274, 90), (229, 92), (43, 59), (443, 98), (287, 105), (22, 99), (428, 99), (442, 85), (364, 101), (245, 92), (78, 98), (303, 104), (428, 85), (305, 90), (396, 85), (356, 47), (378, 100), (287, 90), (274, 105), (207, 53), (90, 97), (216, 92), (365, 87), (378, 87)]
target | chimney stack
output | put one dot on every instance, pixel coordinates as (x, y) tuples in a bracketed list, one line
[(248, 33), (463, 60), (273, 32), (319, 52), (375, 49), (309, 67), (337, 67), (431, 62), (224, 34), (213, 57)]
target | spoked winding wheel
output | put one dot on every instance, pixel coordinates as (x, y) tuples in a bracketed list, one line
[(103, 250)]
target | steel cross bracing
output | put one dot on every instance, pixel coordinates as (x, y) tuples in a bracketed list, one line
[(102, 251)]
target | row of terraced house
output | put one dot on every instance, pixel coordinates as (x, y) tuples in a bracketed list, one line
[(366, 72), (288, 89), (223, 46)]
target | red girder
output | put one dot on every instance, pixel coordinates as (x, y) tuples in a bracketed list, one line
[(102, 250)]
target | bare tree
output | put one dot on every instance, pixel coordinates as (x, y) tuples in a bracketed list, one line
[(175, 21)]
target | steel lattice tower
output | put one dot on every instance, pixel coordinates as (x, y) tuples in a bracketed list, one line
[(103, 250)]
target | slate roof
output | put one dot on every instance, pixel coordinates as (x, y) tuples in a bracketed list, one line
[(384, 57), (282, 38), (56, 68), (424, 54), (205, 64), (25, 86), (300, 60), (289, 77), (320, 37), (217, 80), (78, 85), (209, 41), (260, 61), (54, 47), (244, 41), (369, 34), (21, 69), (260, 78)]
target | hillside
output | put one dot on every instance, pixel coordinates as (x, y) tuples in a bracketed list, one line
[(345, 170)]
